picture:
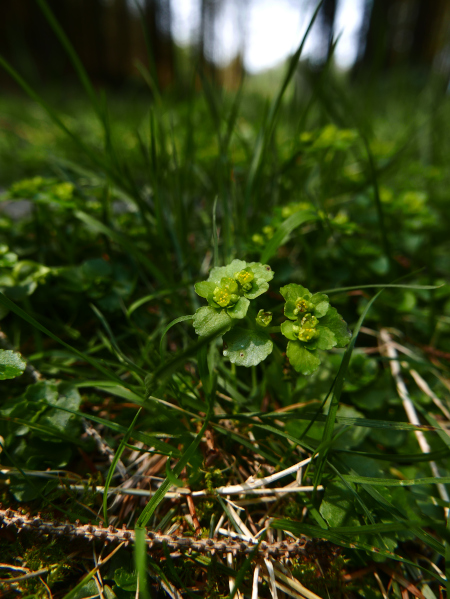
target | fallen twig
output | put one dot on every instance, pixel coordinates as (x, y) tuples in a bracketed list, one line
[(154, 540)]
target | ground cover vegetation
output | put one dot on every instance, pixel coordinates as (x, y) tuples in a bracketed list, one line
[(225, 327)]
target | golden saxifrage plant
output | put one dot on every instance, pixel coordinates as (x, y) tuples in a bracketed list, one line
[(311, 323)]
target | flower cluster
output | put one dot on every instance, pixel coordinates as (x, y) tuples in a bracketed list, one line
[(228, 292), (312, 324)]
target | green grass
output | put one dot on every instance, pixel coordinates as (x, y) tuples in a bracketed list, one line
[(339, 189)]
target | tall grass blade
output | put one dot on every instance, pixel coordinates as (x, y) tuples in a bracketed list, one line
[(118, 352), (151, 506), (335, 398), (122, 240), (265, 136), (140, 562), (114, 463), (284, 230), (169, 326), (214, 234), (73, 56), (85, 357)]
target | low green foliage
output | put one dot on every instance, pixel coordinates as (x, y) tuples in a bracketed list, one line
[(106, 223), (11, 364), (313, 325)]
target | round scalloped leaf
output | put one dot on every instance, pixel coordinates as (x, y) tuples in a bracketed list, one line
[(293, 291), (11, 364), (287, 329), (259, 286), (205, 289), (320, 300), (334, 321), (219, 272), (247, 348), (326, 339), (261, 271), (239, 310), (208, 321), (302, 360)]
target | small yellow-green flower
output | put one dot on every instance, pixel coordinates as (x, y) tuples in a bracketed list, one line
[(309, 320), (305, 331), (311, 325), (306, 334), (302, 305), (226, 293), (245, 278)]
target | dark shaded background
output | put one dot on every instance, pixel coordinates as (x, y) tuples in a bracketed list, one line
[(109, 38)]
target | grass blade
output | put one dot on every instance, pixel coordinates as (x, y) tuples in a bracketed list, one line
[(165, 486), (339, 384), (169, 326), (283, 231), (266, 134), (85, 357), (243, 569), (73, 56), (214, 234), (112, 468)]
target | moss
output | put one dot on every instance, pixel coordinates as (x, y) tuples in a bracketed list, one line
[(36, 554)]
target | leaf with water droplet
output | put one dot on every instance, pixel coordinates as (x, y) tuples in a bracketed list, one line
[(247, 348)]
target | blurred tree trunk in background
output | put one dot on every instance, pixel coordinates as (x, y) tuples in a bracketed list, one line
[(107, 36), (412, 33), (158, 16), (431, 33), (375, 37), (118, 42)]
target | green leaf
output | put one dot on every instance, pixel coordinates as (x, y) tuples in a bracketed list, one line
[(247, 348), (208, 320), (8, 260), (338, 506), (259, 286), (205, 289), (127, 581), (44, 390), (11, 364), (292, 291), (239, 310), (320, 300), (333, 321), (327, 339), (219, 272), (261, 271), (287, 329), (58, 418), (302, 360)]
